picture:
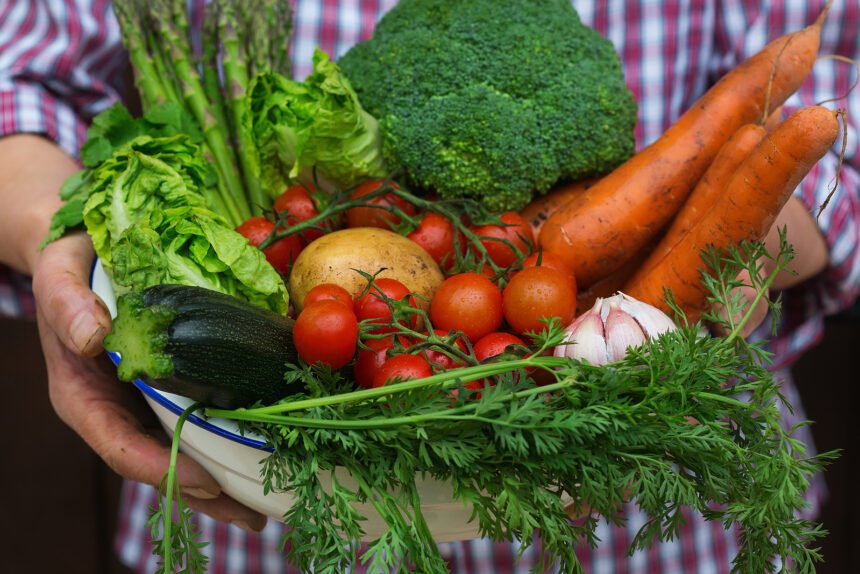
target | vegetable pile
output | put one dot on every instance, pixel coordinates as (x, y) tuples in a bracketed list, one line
[(356, 285)]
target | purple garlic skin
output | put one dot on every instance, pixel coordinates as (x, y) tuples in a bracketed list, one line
[(604, 333)]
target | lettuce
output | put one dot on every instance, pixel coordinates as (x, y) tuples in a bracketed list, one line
[(318, 123), (148, 202)]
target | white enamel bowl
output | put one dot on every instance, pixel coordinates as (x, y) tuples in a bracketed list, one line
[(233, 459)]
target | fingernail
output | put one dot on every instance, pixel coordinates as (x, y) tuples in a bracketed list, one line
[(244, 526), (199, 493), (84, 330)]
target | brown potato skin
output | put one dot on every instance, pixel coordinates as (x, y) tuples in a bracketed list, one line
[(333, 258)]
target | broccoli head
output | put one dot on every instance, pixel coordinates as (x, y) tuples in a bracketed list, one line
[(493, 100)]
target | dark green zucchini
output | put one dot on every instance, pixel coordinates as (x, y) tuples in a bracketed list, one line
[(204, 345)]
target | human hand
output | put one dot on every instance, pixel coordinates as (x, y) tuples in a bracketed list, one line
[(811, 257), (109, 415)]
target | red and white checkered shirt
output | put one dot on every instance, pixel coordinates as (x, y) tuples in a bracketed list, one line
[(61, 62)]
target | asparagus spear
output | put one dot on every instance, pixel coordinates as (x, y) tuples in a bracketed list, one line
[(210, 65), (231, 31), (146, 78)]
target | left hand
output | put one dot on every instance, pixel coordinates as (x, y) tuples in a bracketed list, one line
[(811, 256)]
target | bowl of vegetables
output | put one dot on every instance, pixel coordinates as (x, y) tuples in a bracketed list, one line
[(233, 456), (208, 266)]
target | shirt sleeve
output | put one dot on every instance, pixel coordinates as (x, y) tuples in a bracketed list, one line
[(61, 63), (743, 29)]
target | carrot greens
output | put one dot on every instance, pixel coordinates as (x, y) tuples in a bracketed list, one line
[(603, 435)]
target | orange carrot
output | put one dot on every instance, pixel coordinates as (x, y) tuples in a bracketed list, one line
[(731, 155), (541, 208), (611, 284), (744, 211), (605, 226)]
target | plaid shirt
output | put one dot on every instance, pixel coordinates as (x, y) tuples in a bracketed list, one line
[(61, 63)]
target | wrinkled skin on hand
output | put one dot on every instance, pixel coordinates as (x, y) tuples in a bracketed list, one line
[(109, 415)]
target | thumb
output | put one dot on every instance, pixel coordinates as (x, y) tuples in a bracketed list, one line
[(61, 287)]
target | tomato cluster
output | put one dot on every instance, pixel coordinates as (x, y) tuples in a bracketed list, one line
[(498, 290)]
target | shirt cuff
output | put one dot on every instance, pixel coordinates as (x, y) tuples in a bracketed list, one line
[(33, 109)]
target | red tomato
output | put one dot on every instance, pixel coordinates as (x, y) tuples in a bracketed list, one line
[(404, 367), (326, 332), (435, 234), (372, 306), (551, 260), (372, 216), (516, 230), (467, 302), (300, 205), (326, 291), (495, 344), (368, 361), (282, 253), (439, 360), (538, 292)]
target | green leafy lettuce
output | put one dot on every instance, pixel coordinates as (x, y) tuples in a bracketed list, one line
[(148, 202), (318, 123)]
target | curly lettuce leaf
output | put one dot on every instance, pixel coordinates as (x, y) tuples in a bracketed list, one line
[(318, 123), (197, 248), (149, 211)]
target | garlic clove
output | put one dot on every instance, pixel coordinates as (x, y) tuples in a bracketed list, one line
[(622, 331), (653, 321), (585, 340)]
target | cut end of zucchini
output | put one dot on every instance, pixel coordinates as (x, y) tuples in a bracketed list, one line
[(139, 335)]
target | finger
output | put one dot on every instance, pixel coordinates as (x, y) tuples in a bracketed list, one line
[(61, 288), (226, 509), (105, 413), (757, 314)]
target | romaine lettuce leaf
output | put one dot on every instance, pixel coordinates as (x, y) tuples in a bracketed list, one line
[(146, 201)]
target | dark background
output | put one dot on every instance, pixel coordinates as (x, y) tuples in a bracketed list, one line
[(58, 505)]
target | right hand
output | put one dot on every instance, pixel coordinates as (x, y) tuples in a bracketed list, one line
[(111, 416)]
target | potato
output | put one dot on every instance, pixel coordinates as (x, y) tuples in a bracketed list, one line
[(333, 257)]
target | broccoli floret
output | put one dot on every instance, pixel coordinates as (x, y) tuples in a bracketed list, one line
[(493, 100)]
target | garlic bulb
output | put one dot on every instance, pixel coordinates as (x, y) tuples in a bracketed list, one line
[(605, 332)]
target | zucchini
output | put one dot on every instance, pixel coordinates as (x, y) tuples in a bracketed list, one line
[(204, 345)]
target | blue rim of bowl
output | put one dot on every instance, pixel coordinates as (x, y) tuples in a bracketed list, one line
[(178, 410)]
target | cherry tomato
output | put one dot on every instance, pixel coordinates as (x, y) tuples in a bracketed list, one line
[(325, 291), (280, 254), (403, 367), (300, 205), (435, 234), (369, 360), (551, 260), (515, 229), (372, 216), (495, 344), (467, 302), (439, 360), (538, 292), (372, 306), (487, 271), (326, 332)]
